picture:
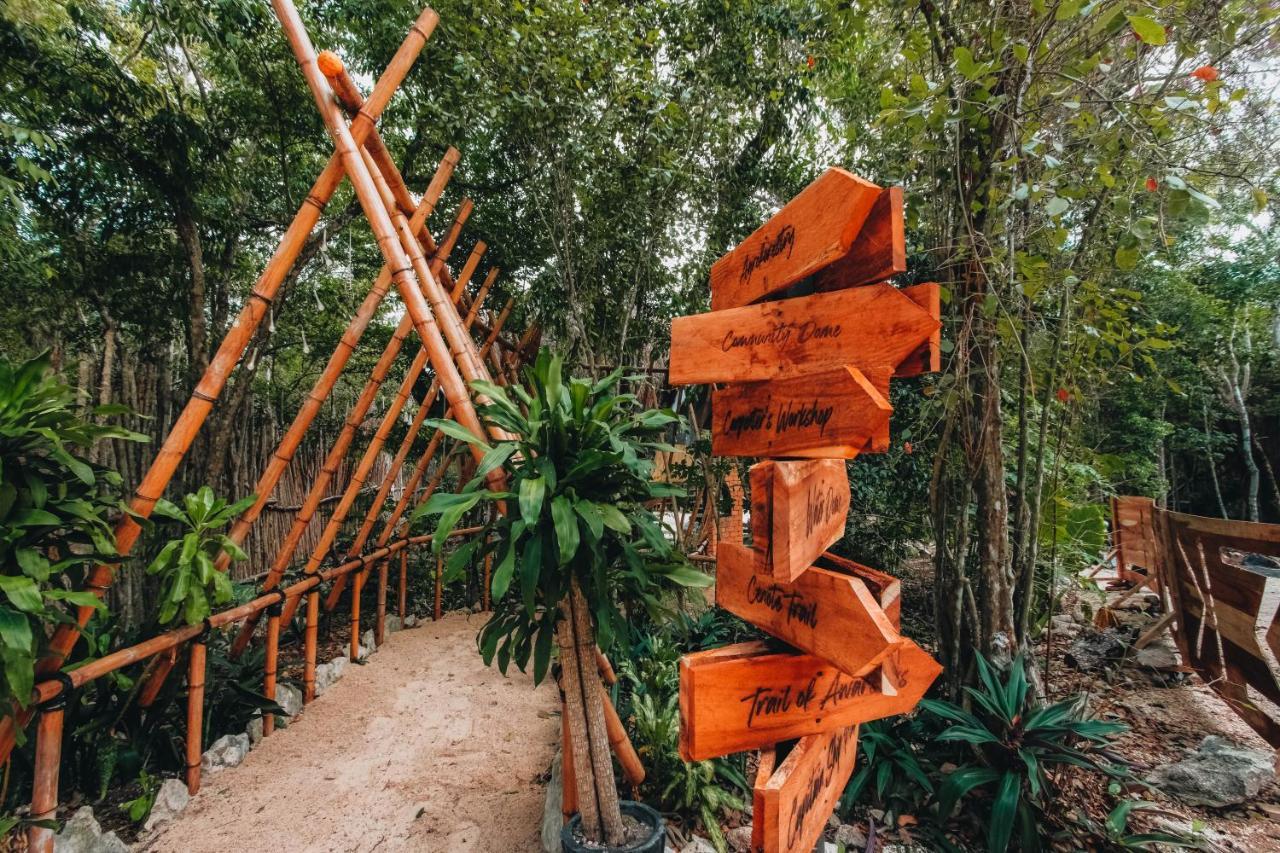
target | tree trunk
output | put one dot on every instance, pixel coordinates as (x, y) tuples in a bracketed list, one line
[(197, 329), (1213, 465), (592, 760), (1246, 451)]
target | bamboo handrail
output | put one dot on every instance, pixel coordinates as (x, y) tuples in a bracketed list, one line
[(210, 386)]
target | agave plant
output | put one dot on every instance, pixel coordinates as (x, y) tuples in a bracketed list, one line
[(185, 565), (576, 544), (1017, 745)]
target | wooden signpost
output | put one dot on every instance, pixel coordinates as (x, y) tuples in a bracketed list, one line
[(798, 510), (803, 339), (826, 415), (866, 327)]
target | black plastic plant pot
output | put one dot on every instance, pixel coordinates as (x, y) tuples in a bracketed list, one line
[(653, 842)]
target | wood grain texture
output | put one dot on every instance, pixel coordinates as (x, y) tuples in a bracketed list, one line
[(878, 252), (830, 414), (827, 614), (866, 327), (795, 802), (798, 510), (1133, 534), (927, 358), (745, 696), (816, 228)]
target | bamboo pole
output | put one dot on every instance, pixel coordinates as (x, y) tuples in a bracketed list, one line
[(357, 587), (323, 386), (195, 714), (384, 489), (48, 761), (628, 758), (333, 461), (386, 177), (210, 386), (384, 231), (404, 585), (313, 627), (272, 662)]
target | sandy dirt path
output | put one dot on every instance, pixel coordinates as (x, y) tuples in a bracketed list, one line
[(424, 749)]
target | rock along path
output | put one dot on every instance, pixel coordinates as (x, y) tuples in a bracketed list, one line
[(424, 748)]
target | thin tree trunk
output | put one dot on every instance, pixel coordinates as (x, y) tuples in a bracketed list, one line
[(1213, 465), (197, 329), (575, 712), (589, 682), (1271, 474)]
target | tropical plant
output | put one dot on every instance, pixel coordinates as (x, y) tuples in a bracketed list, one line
[(576, 544), (1115, 830), (54, 513), (185, 566), (1017, 744), (894, 773)]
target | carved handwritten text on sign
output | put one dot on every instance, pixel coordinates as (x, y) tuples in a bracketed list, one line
[(798, 510), (830, 414), (815, 229), (743, 697), (866, 327), (824, 613), (796, 800)]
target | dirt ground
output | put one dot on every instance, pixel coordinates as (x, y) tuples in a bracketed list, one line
[(423, 749)]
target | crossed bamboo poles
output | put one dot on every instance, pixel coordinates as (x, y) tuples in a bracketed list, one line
[(415, 281)]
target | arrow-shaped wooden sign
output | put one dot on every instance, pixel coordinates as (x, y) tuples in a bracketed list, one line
[(798, 510), (828, 414), (880, 251), (885, 587), (822, 612), (743, 697), (866, 327), (792, 804), (927, 358), (815, 229)]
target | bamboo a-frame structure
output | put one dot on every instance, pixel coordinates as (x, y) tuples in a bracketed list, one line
[(433, 300)]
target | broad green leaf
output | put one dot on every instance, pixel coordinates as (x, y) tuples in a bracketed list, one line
[(1146, 29), (15, 630), (455, 430), (532, 490), (22, 592), (566, 524)]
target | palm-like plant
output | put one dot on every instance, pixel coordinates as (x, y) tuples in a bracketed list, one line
[(1017, 744), (576, 545)]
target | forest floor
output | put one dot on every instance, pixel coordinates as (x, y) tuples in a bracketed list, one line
[(424, 748), (1168, 714)]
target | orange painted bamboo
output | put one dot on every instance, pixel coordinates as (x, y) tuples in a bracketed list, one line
[(313, 626), (289, 545), (155, 679), (357, 588), (424, 321), (628, 758), (272, 662), (44, 790), (320, 391), (195, 714), (460, 346), (210, 386)]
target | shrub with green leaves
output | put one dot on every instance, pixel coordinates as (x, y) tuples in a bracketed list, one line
[(1018, 743), (55, 513), (189, 580), (578, 477)]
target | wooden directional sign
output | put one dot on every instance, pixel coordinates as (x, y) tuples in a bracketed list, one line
[(815, 229), (928, 356), (743, 697), (824, 613), (880, 251), (866, 327), (832, 413), (886, 589), (798, 510), (793, 804)]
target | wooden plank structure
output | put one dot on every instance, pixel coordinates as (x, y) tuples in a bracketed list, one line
[(1223, 581), (1134, 537), (433, 299), (804, 337)]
